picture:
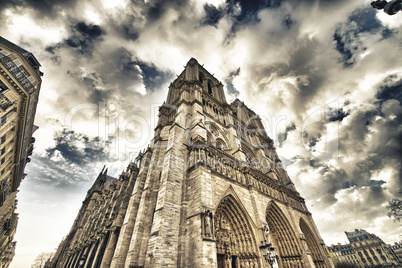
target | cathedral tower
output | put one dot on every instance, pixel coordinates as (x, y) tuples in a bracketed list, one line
[(209, 191)]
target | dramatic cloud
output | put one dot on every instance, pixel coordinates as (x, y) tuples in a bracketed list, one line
[(323, 75)]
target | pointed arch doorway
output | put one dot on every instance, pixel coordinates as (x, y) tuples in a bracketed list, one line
[(284, 238), (235, 240), (313, 245)]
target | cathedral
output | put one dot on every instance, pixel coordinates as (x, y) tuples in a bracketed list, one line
[(208, 191)]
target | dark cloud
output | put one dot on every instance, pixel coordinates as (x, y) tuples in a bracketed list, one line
[(391, 89), (242, 12), (78, 148), (387, 33), (376, 139), (343, 48), (153, 77), (42, 8), (336, 114), (130, 33), (212, 15), (348, 184), (229, 82), (347, 36), (283, 136), (365, 19), (157, 8), (331, 180), (84, 37), (9, 3), (288, 22)]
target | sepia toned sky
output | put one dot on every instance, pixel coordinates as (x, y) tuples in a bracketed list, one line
[(325, 76)]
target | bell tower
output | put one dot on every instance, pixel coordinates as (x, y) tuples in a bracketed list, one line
[(209, 191)]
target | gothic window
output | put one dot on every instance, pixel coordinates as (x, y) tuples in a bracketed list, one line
[(248, 154), (220, 144), (3, 139), (209, 89), (201, 77)]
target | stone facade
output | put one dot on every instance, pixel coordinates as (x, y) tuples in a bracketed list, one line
[(20, 82), (397, 248), (209, 191), (345, 255), (372, 251)]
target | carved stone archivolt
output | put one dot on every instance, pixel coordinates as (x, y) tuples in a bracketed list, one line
[(313, 245), (284, 238), (235, 241)]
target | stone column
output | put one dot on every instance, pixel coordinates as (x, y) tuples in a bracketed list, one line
[(143, 223), (91, 255), (126, 232), (163, 243)]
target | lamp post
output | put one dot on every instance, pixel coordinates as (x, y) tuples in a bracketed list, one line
[(391, 8), (82, 260), (268, 251)]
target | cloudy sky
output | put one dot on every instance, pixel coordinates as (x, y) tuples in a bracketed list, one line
[(324, 75)]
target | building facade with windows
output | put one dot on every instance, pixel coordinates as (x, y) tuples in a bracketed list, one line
[(344, 254), (209, 191), (372, 251), (20, 82), (397, 248)]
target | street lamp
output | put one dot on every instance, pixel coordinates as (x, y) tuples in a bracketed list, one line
[(82, 260), (268, 251), (391, 7)]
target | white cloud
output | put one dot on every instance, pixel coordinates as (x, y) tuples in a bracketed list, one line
[(291, 66)]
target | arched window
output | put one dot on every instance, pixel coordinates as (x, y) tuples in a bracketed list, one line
[(209, 89), (220, 144), (200, 77)]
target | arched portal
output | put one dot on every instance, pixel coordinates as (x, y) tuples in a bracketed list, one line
[(235, 240), (313, 245), (284, 238)]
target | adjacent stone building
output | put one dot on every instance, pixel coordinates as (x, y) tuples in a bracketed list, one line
[(209, 191), (397, 248), (344, 254), (20, 82), (372, 251)]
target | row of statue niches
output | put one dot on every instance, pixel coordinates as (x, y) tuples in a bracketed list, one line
[(235, 173), (205, 154)]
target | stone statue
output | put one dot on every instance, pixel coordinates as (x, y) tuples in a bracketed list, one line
[(266, 232), (208, 225)]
